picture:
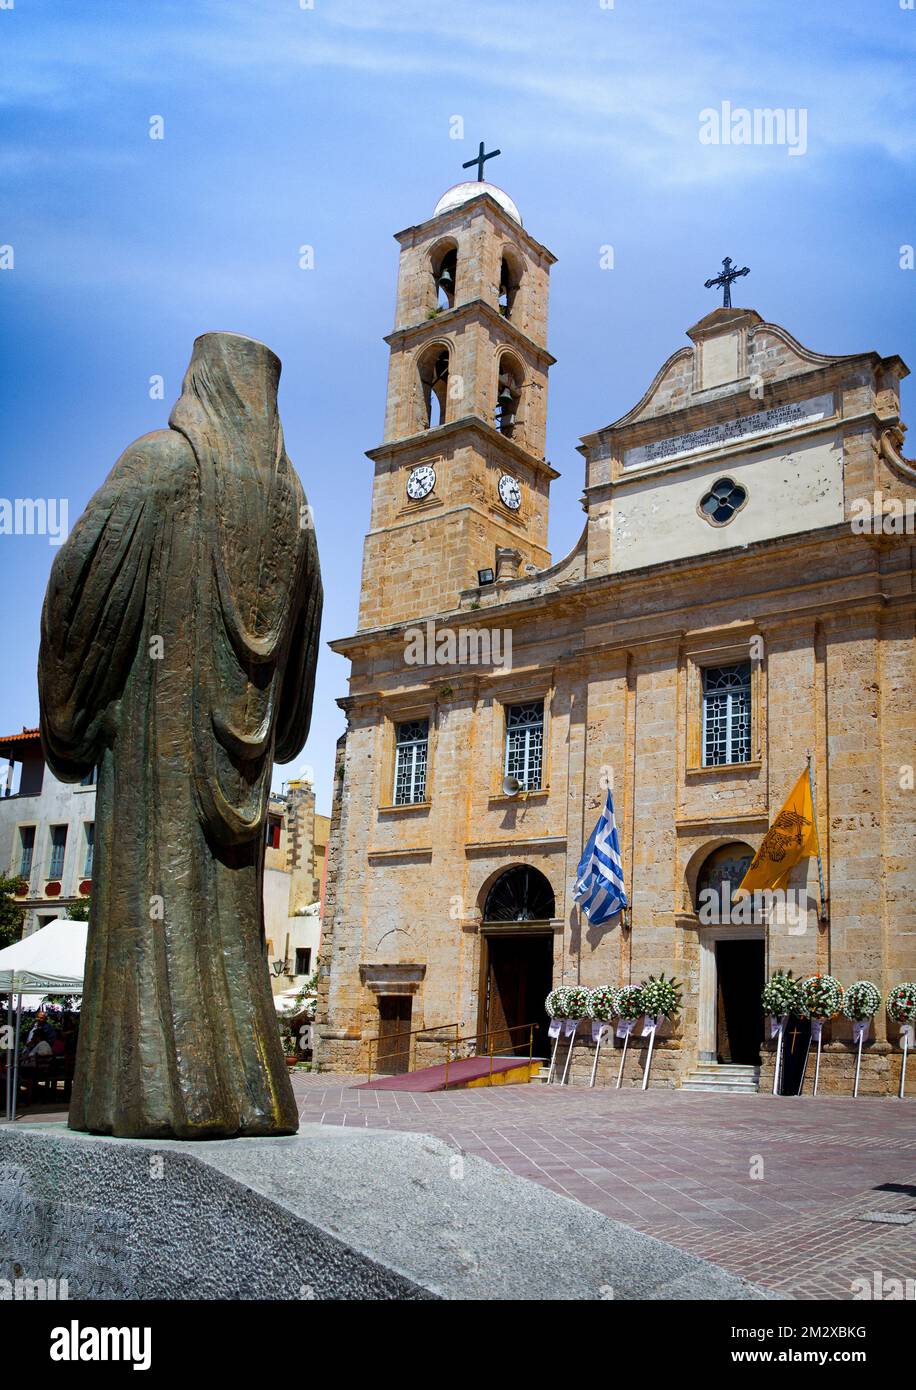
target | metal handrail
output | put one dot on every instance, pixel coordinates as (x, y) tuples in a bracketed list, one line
[(414, 1032), (489, 1033)]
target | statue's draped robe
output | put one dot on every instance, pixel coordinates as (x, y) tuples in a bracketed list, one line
[(179, 638)]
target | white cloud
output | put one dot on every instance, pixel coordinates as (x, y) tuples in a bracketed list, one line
[(631, 81)]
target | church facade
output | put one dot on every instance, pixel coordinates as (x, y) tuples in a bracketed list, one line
[(741, 599)]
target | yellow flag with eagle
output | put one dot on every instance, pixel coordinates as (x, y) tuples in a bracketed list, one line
[(791, 837)]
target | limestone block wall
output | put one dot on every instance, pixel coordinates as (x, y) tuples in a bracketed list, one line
[(825, 617)]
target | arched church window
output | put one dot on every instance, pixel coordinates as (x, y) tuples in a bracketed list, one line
[(433, 369), (719, 876), (521, 894), (445, 271), (509, 385)]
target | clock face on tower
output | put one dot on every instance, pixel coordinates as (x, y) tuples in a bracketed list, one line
[(421, 481), (510, 492)]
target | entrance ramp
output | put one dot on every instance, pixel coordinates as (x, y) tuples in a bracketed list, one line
[(461, 1075)]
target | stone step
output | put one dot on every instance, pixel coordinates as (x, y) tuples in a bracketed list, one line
[(728, 1068), (731, 1072), (721, 1087), (734, 1078)]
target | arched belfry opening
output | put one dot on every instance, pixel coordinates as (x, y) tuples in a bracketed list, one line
[(444, 266), (433, 373), (509, 385), (510, 279), (516, 961)]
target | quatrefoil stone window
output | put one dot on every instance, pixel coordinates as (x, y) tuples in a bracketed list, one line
[(723, 500)]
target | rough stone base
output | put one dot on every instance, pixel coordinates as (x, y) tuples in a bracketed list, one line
[(880, 1075), (668, 1063), (339, 1054), (328, 1213)]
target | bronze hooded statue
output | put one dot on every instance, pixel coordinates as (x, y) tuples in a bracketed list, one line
[(178, 648)]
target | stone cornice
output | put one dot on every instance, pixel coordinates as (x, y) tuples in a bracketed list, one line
[(509, 844), (457, 317), (429, 440), (407, 852), (581, 597), (686, 825), (836, 423)]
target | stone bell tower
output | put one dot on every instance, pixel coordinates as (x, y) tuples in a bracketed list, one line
[(461, 482)]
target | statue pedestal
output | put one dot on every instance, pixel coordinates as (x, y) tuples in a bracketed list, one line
[(327, 1213)]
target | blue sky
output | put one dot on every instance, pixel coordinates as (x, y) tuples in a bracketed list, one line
[(330, 126)]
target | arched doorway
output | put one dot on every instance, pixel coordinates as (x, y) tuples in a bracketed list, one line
[(516, 960), (732, 962)]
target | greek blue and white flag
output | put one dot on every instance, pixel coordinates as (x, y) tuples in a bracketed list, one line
[(599, 879)]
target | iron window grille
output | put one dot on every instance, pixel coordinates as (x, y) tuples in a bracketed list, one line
[(411, 757), (525, 743), (727, 714)]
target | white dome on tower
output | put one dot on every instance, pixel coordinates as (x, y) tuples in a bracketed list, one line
[(464, 192)]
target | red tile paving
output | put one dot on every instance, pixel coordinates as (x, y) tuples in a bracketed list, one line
[(679, 1166), (769, 1187)]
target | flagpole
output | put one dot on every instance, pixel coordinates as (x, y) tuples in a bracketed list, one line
[(820, 867)]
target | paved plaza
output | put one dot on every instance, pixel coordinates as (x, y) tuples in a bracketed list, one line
[(772, 1188)]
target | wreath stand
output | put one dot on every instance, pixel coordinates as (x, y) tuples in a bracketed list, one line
[(572, 1042), (598, 1037), (818, 1024), (861, 1028), (553, 1055), (777, 1073), (652, 1026), (905, 1038), (623, 1057)]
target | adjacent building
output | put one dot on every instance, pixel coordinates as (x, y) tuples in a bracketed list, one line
[(47, 837), (741, 598), (47, 832)]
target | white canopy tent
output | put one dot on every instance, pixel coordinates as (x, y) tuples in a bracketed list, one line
[(50, 961)]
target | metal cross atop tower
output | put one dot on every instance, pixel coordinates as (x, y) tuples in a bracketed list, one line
[(724, 279), (480, 159)]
